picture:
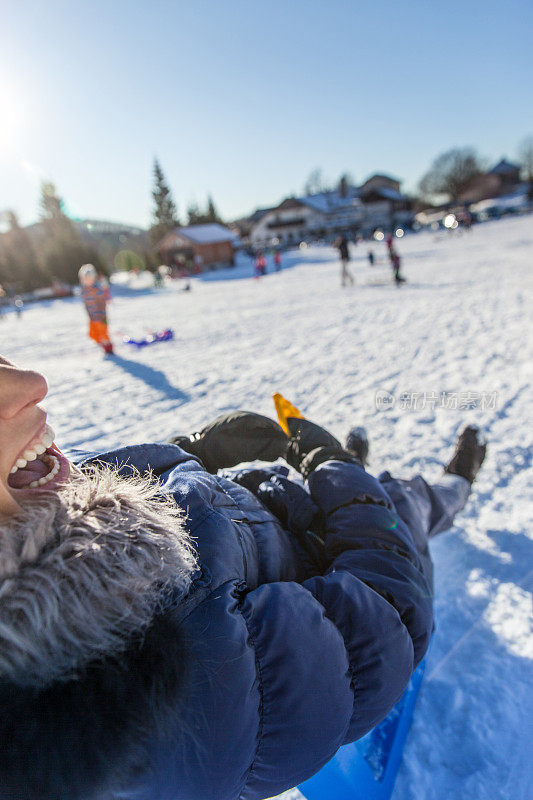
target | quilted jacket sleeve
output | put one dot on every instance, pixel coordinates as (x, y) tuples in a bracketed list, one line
[(335, 653), (374, 590)]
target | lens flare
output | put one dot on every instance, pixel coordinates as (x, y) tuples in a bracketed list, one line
[(450, 221)]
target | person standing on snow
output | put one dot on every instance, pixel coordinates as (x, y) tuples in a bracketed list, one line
[(396, 264), (96, 295), (277, 260), (172, 630), (344, 254), (198, 264), (260, 265), (19, 306)]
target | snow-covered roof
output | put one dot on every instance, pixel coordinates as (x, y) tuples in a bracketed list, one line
[(207, 234), (510, 201), (389, 193), (259, 213), (330, 202)]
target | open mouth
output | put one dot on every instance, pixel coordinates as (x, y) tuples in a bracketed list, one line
[(41, 465)]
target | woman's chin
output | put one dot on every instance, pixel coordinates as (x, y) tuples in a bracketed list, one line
[(8, 501)]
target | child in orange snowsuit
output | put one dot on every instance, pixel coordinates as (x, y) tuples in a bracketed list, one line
[(95, 295)]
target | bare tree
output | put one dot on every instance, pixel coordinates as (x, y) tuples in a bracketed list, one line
[(525, 154), (315, 182), (450, 172)]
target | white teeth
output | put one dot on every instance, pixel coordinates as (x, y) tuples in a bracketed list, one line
[(47, 478), (38, 449)]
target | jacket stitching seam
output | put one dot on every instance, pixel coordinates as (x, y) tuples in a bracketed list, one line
[(261, 704), (350, 669), (244, 521), (202, 519)]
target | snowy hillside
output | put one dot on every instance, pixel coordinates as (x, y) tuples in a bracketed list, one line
[(451, 346)]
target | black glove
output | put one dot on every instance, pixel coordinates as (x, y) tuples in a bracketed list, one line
[(311, 445), (233, 438)]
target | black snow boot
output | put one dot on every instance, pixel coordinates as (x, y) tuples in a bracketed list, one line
[(357, 443), (469, 454)]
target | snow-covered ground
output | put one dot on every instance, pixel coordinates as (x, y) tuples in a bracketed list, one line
[(412, 365)]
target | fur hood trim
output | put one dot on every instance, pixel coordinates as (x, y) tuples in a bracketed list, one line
[(85, 569)]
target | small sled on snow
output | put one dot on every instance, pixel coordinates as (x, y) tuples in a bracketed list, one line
[(152, 338)]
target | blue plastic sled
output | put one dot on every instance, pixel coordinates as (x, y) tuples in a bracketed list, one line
[(367, 769), (153, 338)]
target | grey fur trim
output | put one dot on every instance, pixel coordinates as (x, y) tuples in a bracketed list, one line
[(82, 570)]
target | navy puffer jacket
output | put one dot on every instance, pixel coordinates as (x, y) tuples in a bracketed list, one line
[(284, 648)]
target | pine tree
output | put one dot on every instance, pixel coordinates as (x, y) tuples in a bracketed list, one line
[(194, 215), (197, 216), (20, 265), (165, 214), (212, 213), (51, 204), (63, 252)]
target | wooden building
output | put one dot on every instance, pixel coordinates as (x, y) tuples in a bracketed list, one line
[(502, 179), (210, 245)]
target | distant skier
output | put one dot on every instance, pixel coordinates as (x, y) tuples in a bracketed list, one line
[(464, 217), (396, 264), (96, 295), (344, 254), (277, 260), (260, 265), (158, 277), (198, 264), (371, 258), (19, 306)]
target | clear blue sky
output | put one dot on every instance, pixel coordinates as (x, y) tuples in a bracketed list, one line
[(243, 98)]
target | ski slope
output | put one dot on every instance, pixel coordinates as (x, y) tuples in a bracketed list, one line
[(451, 346)]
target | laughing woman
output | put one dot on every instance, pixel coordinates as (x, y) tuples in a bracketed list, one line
[(168, 632)]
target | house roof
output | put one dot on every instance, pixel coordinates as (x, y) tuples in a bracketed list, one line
[(289, 202), (380, 175), (206, 234), (510, 201), (388, 193), (504, 167), (258, 213), (330, 202)]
